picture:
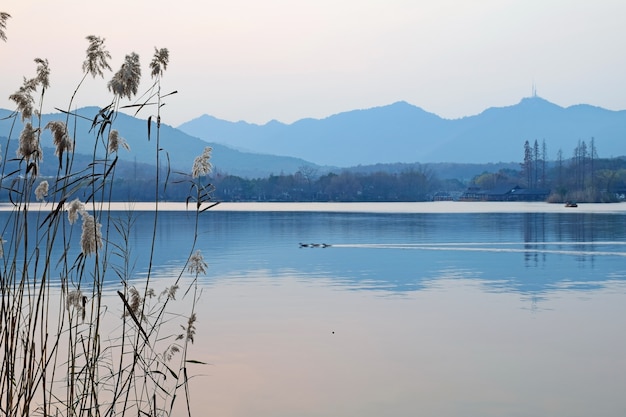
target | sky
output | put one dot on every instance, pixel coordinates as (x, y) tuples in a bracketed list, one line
[(285, 60)]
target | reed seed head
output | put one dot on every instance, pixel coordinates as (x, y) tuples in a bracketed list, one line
[(202, 165), (91, 237), (2, 242), (3, 25), (97, 57), (170, 292), (29, 144), (115, 141), (159, 62), (76, 300), (41, 192), (23, 98), (134, 305), (43, 73), (191, 327), (60, 138), (75, 207), (169, 353), (125, 82), (196, 263)]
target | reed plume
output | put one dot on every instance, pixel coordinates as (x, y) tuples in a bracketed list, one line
[(134, 306), (75, 207), (159, 62), (60, 138), (91, 237), (76, 300), (115, 141), (197, 265), (41, 192), (3, 25), (169, 353), (202, 165), (125, 82), (23, 97), (29, 147), (191, 327), (43, 73), (97, 57), (170, 292)]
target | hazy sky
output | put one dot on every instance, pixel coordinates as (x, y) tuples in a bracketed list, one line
[(257, 60)]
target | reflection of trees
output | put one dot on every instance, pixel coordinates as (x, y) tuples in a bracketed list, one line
[(565, 229), (577, 227), (534, 231)]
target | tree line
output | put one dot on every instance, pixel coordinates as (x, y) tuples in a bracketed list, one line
[(306, 185), (582, 177)]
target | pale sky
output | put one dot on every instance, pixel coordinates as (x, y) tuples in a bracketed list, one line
[(258, 60)]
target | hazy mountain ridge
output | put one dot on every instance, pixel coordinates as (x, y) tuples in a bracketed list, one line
[(364, 139), (401, 132), (179, 148)]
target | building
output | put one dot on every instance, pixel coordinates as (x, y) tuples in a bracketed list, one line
[(505, 193)]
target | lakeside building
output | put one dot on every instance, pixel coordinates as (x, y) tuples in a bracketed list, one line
[(505, 193)]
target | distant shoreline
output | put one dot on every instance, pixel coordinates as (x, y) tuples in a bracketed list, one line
[(341, 207)]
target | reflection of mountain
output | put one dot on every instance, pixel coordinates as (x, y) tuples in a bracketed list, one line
[(530, 254)]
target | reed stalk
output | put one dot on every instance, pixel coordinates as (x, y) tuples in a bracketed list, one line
[(68, 347)]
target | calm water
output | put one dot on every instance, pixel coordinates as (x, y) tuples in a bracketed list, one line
[(475, 314)]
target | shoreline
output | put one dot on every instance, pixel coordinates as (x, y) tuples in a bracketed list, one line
[(432, 207)]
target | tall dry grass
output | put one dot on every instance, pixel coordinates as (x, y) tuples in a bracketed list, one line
[(67, 349)]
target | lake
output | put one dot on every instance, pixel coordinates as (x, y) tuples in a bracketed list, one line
[(434, 309)]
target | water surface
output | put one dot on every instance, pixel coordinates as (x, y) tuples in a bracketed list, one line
[(505, 311), (455, 314)]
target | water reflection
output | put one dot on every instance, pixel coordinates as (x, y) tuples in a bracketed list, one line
[(404, 314), (523, 252), (283, 346)]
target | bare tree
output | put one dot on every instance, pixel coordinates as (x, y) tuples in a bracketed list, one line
[(536, 157), (559, 160), (310, 174), (528, 164), (544, 158), (593, 156)]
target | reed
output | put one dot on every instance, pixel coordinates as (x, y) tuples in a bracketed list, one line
[(66, 348)]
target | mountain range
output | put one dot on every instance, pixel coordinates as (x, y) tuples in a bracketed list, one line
[(396, 133), (402, 132), (178, 148)]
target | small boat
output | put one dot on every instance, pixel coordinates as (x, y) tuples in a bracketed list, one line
[(571, 204)]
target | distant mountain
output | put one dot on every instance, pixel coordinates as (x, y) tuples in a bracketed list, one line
[(399, 133), (404, 133), (180, 148)]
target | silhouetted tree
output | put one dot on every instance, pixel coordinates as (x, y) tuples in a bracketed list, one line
[(527, 165), (535, 159)]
